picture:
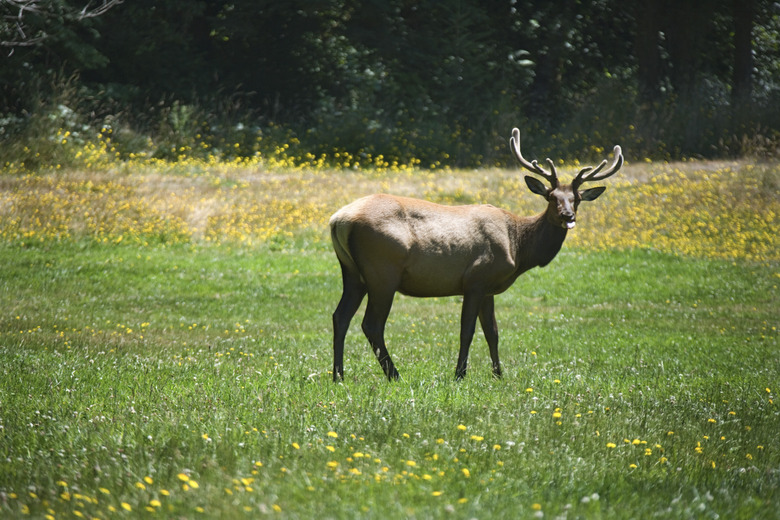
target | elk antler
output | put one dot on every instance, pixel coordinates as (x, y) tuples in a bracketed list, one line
[(590, 173), (533, 166)]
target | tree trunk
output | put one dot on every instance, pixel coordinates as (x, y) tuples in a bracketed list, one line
[(742, 80), (686, 30), (646, 50)]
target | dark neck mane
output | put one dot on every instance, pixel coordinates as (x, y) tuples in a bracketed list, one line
[(538, 241)]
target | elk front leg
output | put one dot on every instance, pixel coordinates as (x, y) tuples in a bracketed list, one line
[(468, 323), (487, 318)]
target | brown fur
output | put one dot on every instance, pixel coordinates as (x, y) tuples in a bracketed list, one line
[(387, 244)]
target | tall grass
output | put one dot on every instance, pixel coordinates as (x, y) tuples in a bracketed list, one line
[(705, 209), (165, 351)]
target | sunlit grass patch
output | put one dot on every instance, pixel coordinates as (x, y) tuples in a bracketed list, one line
[(727, 211), (165, 347)]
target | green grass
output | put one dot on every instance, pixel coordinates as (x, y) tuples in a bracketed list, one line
[(189, 380)]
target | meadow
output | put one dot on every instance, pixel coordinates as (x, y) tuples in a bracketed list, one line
[(165, 350)]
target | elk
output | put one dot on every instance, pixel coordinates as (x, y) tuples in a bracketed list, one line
[(387, 244)]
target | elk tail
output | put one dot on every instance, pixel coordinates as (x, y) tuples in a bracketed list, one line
[(340, 231)]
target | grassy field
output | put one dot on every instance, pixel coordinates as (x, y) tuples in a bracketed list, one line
[(165, 347)]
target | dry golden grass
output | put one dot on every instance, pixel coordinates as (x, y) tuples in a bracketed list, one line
[(706, 209)]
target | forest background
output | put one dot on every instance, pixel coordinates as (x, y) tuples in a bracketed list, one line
[(425, 83)]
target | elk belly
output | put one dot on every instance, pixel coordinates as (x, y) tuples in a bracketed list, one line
[(432, 278)]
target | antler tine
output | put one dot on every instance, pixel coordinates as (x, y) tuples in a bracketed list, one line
[(554, 171), (590, 174), (533, 166)]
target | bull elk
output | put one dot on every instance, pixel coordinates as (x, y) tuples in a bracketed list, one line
[(387, 244)]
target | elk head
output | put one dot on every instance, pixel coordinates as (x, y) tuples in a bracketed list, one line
[(563, 199)]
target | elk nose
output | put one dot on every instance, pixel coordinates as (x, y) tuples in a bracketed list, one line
[(568, 219)]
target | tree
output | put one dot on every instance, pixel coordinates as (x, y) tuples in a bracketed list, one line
[(26, 23), (647, 50), (742, 77)]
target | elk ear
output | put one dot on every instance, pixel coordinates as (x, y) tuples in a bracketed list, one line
[(592, 193), (536, 186)]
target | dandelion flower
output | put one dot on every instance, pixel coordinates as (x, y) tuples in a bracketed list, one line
[(611, 445), (462, 427), (333, 435), (183, 477), (466, 472), (126, 506)]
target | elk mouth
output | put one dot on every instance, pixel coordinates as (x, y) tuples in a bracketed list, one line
[(569, 224)]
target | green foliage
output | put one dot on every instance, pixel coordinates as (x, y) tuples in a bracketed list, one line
[(188, 380), (165, 347), (439, 83)]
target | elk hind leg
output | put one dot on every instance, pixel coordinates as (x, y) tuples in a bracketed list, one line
[(377, 311), (351, 298)]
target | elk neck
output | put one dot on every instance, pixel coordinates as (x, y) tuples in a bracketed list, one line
[(537, 241)]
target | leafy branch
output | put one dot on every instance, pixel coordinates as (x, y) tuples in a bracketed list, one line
[(24, 23)]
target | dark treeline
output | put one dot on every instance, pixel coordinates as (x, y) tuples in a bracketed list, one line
[(440, 81)]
